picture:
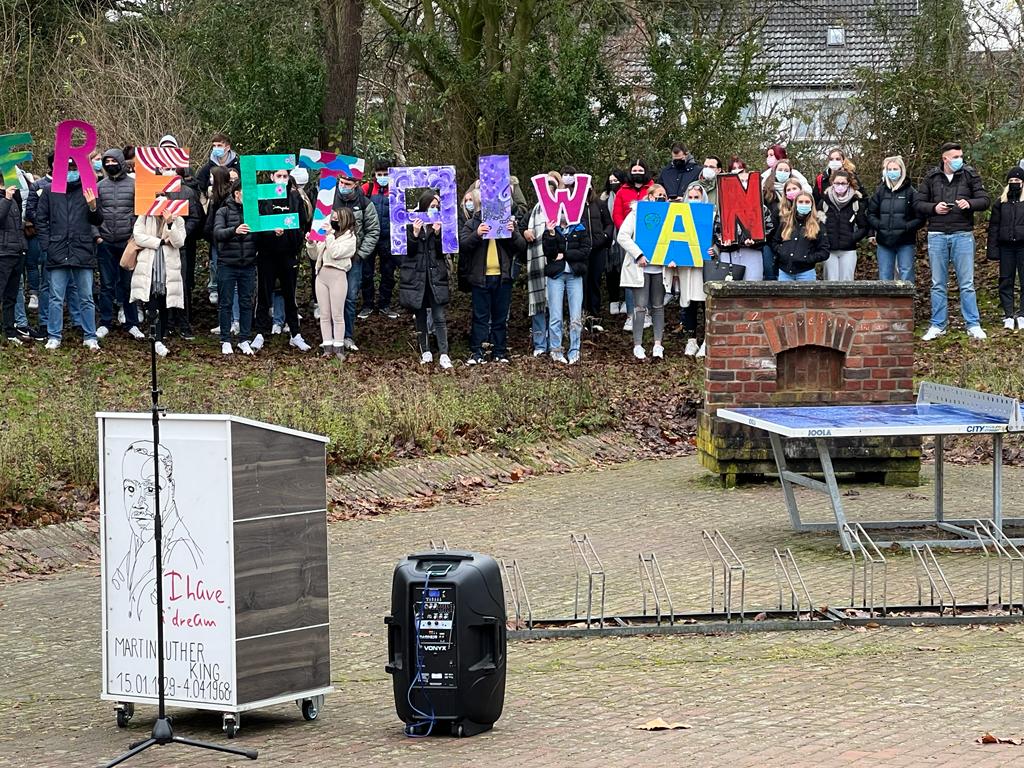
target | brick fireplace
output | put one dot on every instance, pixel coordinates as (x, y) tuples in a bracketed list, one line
[(818, 343)]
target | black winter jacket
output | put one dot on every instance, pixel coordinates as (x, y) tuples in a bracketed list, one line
[(473, 248), (892, 215), (35, 192), (798, 253), (12, 233), (424, 262), (575, 246), (274, 247), (203, 175), (65, 225), (936, 188), (211, 218), (1005, 226), (233, 249), (676, 180), (599, 224), (846, 226), (195, 219), (115, 197)]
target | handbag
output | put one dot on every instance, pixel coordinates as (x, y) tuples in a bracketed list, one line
[(130, 257), (716, 269)]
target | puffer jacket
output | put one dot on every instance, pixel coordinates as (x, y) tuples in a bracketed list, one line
[(12, 233), (1005, 226), (35, 192), (150, 233), (367, 221), (473, 247), (424, 262), (116, 200), (675, 180), (847, 225), (624, 199), (378, 195), (333, 252), (286, 246), (65, 226), (233, 249), (892, 215), (936, 188), (574, 245), (798, 253)]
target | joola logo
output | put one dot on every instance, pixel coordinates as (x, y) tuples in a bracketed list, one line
[(819, 432)]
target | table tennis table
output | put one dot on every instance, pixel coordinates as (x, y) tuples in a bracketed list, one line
[(940, 410)]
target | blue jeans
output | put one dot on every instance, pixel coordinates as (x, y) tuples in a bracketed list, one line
[(958, 248), (891, 259), (20, 317), (539, 331), (35, 264), (355, 286), (771, 272), (230, 279), (115, 285), (799, 277), (61, 279), (566, 284), (211, 284), (278, 311), (490, 316)]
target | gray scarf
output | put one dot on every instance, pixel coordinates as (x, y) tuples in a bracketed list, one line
[(840, 201)]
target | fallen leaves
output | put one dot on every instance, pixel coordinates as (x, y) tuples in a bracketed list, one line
[(658, 724), (988, 738)]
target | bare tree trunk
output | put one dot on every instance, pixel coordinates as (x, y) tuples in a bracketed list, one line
[(343, 23), (402, 72)]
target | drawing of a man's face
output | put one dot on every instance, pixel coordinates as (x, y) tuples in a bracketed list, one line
[(138, 471)]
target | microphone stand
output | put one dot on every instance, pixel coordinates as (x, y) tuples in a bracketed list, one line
[(163, 733)]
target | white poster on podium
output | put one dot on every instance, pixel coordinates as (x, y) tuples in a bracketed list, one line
[(195, 485)]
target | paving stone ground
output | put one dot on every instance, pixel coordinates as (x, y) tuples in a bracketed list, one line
[(882, 697)]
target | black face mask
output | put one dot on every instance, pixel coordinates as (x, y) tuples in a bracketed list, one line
[(639, 178), (614, 186), (335, 225), (1013, 192), (680, 163), (112, 170)]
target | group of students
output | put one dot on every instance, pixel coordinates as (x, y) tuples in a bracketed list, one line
[(56, 241)]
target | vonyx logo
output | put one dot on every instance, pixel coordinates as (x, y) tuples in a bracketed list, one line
[(819, 433)]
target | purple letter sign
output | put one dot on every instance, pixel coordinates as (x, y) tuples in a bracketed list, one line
[(439, 177), (495, 195)]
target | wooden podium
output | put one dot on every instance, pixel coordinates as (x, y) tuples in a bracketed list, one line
[(244, 515)]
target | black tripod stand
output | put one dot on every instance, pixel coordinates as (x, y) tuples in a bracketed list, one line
[(162, 731)]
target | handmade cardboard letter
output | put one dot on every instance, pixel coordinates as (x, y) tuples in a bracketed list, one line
[(64, 150), (495, 195), (253, 192), (741, 213), (572, 203), (330, 166), (439, 177), (10, 158), (152, 186), (674, 234)]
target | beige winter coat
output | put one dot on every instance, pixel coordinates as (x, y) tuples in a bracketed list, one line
[(150, 232), (336, 251)]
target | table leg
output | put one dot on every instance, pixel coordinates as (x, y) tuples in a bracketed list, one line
[(938, 479), (997, 481), (833, 491), (787, 486)]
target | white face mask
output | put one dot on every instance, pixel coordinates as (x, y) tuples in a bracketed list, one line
[(709, 173), (835, 165)]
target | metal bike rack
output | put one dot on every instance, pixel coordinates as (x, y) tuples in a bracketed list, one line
[(787, 570), (925, 562), (650, 577), (720, 554), (515, 589), (871, 556), (584, 554), (992, 539)]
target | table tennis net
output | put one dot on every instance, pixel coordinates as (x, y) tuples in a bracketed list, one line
[(998, 406)]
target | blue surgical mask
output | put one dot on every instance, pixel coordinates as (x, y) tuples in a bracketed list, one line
[(803, 208), (469, 206), (74, 176), (217, 153), (345, 191), (956, 164), (97, 165), (893, 175), (382, 181), (782, 176)]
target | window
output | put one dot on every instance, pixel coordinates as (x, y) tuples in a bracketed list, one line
[(836, 36)]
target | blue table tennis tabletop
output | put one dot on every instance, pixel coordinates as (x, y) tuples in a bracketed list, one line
[(867, 420)]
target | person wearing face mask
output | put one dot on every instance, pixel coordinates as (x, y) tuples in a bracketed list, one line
[(567, 250), (536, 263), (12, 252), (680, 173), (349, 195), (423, 285), (636, 188), (617, 298), (598, 222), (116, 199), (469, 205), (1006, 245), (236, 270), (836, 161), (691, 285), (65, 224), (376, 190), (748, 251), (893, 219), (800, 242), (332, 259), (708, 180), (158, 282), (948, 197), (221, 154), (845, 217)]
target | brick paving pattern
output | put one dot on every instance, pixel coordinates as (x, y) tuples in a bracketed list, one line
[(882, 697)]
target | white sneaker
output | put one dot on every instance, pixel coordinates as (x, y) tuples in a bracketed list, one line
[(426, 358), (246, 349), (648, 321), (658, 351), (628, 325), (120, 317), (226, 349), (299, 343), (214, 298), (613, 308), (51, 344), (638, 352), (539, 352), (33, 302), (1009, 324), (691, 348), (215, 330), (161, 349), (445, 362), (91, 344), (933, 333), (286, 328), (135, 333), (558, 356), (257, 343), (102, 331), (1020, 323), (316, 311), (235, 328), (351, 345), (276, 330), (703, 351), (977, 332)]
